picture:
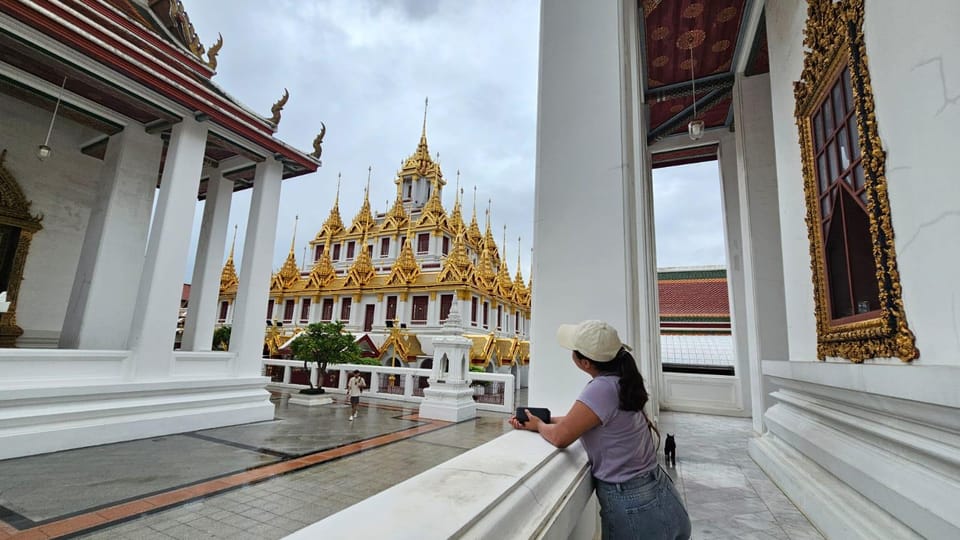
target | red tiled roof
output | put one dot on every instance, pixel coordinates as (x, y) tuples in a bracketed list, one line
[(694, 297)]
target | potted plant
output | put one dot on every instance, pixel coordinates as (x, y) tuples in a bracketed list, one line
[(324, 343)]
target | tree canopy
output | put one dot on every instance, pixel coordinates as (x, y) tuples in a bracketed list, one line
[(326, 343)]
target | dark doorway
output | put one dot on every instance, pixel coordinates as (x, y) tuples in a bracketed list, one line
[(368, 317)]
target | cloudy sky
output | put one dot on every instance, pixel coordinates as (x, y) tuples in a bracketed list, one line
[(364, 67)]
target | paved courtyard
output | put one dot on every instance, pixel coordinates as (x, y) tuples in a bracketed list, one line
[(266, 480)]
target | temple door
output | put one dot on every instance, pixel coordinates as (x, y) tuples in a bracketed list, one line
[(368, 317)]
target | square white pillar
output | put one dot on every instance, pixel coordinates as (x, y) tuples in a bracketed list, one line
[(205, 285), (108, 274), (764, 304), (161, 283), (246, 336), (593, 221)]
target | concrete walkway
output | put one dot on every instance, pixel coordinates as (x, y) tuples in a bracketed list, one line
[(265, 480)]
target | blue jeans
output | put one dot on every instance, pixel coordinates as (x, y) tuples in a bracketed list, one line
[(646, 507)]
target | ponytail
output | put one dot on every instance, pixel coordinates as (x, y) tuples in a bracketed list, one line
[(632, 395)]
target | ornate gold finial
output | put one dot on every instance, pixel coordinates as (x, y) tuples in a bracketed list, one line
[(277, 107), (364, 221), (369, 172), (473, 231), (213, 51), (334, 223), (318, 142), (293, 241), (426, 101), (289, 273)]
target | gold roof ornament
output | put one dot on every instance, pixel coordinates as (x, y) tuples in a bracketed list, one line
[(520, 292), (396, 218), (362, 270), (323, 272), (277, 108), (404, 345), (289, 273), (455, 221), (184, 29), (504, 286), (364, 222), (405, 270), (419, 164), (318, 142), (457, 267), (485, 275), (334, 224), (488, 240), (473, 231), (228, 276), (433, 213), (213, 51)]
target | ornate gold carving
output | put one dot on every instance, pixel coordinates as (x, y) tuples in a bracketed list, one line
[(322, 272), (334, 224), (834, 39), (457, 267), (318, 142), (362, 271), (15, 212), (363, 222), (213, 51), (405, 270), (185, 29), (277, 107)]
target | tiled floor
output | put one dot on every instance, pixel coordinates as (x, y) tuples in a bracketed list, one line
[(266, 480)]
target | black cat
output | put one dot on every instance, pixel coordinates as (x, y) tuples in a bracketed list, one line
[(670, 450)]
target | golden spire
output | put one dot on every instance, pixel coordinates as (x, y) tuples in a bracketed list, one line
[(504, 284), (363, 221), (405, 269), (518, 279), (473, 232), (455, 222), (457, 266), (323, 272), (488, 240), (334, 224), (228, 276), (290, 273), (433, 212), (485, 276), (361, 271), (396, 217), (419, 164)]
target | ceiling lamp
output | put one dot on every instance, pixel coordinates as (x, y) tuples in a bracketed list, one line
[(695, 127), (44, 151)]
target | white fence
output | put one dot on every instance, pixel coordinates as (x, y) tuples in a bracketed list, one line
[(492, 391)]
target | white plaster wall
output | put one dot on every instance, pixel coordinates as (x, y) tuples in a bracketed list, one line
[(785, 22), (61, 188), (579, 271), (912, 87)]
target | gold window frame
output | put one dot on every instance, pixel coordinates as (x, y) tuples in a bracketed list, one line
[(833, 39), (15, 211)]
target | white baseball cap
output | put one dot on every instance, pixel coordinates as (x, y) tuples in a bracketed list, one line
[(596, 340)]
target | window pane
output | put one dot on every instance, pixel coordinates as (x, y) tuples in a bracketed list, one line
[(863, 275), (844, 150), (822, 172), (847, 90), (828, 117), (825, 205), (858, 176), (854, 137), (832, 147), (839, 110), (818, 132), (836, 259)]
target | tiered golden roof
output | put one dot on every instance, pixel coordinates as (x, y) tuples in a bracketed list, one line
[(323, 272), (228, 276), (473, 231), (334, 224), (363, 222), (503, 285), (289, 273), (361, 271), (457, 267), (405, 270)]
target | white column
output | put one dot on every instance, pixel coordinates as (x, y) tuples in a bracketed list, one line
[(764, 305), (205, 286), (433, 310), (161, 284), (108, 274), (730, 196), (589, 69), (254, 289)]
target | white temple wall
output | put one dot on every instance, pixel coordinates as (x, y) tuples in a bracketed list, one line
[(62, 188), (918, 127)]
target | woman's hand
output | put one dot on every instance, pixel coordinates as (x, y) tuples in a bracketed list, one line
[(532, 423)]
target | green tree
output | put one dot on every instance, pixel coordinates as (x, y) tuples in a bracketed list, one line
[(221, 338), (325, 343)]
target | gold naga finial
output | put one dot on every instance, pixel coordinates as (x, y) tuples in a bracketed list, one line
[(318, 142), (277, 107), (213, 51)]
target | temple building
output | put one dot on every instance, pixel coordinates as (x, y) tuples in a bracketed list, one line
[(394, 276), (112, 127)]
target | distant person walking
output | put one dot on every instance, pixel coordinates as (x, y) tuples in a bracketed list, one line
[(355, 385)]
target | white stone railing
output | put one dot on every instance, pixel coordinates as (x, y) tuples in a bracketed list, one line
[(401, 384), (515, 486)]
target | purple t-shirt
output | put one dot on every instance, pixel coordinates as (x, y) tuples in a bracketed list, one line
[(621, 446)]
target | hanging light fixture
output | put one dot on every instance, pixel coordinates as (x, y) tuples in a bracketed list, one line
[(44, 151), (695, 127)]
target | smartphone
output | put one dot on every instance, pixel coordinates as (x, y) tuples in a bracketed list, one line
[(540, 412)]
